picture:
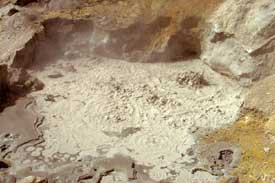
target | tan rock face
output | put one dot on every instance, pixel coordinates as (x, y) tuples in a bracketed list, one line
[(262, 96), (235, 43), (247, 46), (17, 46), (137, 31)]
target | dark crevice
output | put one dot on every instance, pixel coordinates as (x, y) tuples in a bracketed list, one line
[(14, 84), (24, 2), (184, 44), (73, 39), (12, 11)]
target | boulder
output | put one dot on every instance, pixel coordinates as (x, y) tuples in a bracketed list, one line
[(241, 39)]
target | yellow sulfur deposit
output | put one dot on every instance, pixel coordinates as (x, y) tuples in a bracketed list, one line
[(255, 134)]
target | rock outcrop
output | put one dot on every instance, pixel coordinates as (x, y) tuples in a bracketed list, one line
[(139, 31), (241, 40), (19, 47), (261, 96), (236, 41)]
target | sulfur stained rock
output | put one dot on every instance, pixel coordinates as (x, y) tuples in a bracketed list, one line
[(270, 125), (252, 136)]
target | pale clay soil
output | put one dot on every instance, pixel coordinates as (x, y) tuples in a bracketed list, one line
[(101, 107)]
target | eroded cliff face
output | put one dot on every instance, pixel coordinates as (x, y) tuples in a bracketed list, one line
[(136, 31), (235, 41)]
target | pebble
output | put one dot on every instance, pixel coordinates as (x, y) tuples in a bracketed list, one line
[(266, 149), (233, 180), (55, 75)]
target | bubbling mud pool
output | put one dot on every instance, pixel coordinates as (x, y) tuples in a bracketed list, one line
[(150, 112)]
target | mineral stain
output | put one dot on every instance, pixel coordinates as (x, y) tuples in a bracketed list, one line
[(256, 140)]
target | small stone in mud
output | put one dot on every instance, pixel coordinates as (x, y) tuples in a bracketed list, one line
[(192, 79), (152, 99), (233, 180), (50, 98), (226, 156), (129, 131), (193, 129), (266, 149), (190, 152), (55, 75)]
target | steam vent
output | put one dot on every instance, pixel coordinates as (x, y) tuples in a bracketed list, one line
[(137, 91)]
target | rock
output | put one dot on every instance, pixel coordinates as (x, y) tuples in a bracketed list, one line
[(270, 127), (17, 79), (181, 45), (234, 44), (29, 179), (217, 158), (267, 149), (239, 45), (33, 179), (55, 75), (233, 180), (261, 96), (192, 79), (18, 49), (20, 82)]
